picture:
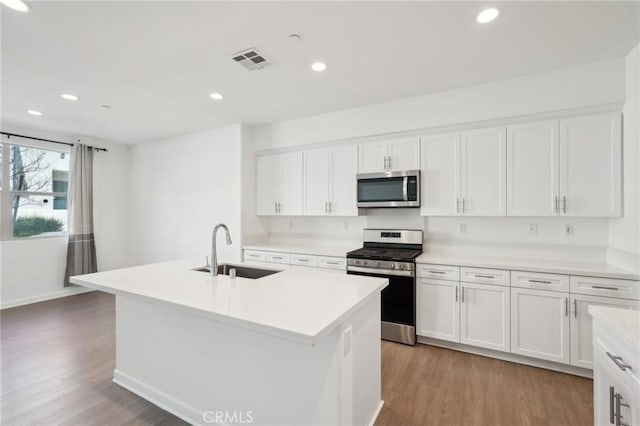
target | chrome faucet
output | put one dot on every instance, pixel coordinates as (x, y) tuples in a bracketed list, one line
[(214, 255)]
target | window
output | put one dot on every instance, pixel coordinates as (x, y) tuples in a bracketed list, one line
[(35, 182)]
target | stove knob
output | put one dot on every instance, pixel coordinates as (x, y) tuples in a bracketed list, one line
[(392, 265), (378, 264), (357, 262), (364, 262), (402, 266)]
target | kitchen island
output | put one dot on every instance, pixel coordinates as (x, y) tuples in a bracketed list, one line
[(296, 347)]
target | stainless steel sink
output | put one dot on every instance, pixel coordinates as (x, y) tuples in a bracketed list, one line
[(241, 271)]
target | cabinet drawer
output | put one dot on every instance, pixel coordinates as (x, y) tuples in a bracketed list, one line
[(540, 281), (485, 276), (439, 272), (304, 260), (329, 262), (274, 257), (254, 256), (624, 289)]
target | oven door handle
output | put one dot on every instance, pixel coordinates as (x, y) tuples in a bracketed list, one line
[(405, 188), (389, 272)]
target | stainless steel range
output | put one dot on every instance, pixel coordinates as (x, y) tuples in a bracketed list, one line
[(391, 254)]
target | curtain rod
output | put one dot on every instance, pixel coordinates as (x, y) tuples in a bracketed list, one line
[(47, 140)]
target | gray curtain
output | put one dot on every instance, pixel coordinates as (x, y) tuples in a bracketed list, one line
[(81, 251)]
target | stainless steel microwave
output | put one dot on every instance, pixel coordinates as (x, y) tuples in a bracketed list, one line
[(389, 189)]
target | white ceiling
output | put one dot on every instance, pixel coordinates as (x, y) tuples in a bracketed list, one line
[(155, 63)]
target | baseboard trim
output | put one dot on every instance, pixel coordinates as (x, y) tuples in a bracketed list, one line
[(176, 407), (505, 356), (376, 413), (67, 291)]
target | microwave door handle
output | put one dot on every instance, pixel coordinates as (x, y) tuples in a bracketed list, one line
[(405, 188)]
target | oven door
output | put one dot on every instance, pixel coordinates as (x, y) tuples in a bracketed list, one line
[(398, 307)]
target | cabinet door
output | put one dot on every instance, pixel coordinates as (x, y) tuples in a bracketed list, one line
[(316, 182), (438, 310), (540, 324), (483, 174), (591, 165), (371, 157), (267, 184), (484, 316), (532, 169), (440, 175), (581, 325), (404, 154), (343, 164), (291, 184)]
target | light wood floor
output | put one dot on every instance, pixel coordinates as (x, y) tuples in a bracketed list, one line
[(58, 358)]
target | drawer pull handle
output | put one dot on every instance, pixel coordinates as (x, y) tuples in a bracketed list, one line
[(436, 272), (276, 257), (484, 276), (328, 262), (540, 281), (601, 287), (619, 362), (303, 260)]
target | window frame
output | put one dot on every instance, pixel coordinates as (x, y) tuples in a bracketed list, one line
[(6, 194)]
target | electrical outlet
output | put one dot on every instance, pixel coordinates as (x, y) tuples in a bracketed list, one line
[(462, 228), (568, 229), (533, 228)]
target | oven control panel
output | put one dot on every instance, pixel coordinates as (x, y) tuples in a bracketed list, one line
[(382, 264)]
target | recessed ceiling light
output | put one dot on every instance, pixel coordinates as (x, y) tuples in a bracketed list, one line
[(69, 97), (34, 112), (488, 15), (319, 66), (18, 5), (216, 96), (295, 37)]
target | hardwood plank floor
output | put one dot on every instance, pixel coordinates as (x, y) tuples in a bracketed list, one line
[(58, 358)]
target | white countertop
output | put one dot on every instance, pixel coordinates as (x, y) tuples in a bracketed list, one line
[(338, 251), (299, 305), (624, 322), (531, 265)]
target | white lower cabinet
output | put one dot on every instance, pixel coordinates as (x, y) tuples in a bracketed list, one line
[(581, 325), (301, 261), (484, 316), (540, 324), (612, 397), (438, 315)]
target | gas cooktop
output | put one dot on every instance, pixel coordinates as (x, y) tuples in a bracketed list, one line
[(382, 253)]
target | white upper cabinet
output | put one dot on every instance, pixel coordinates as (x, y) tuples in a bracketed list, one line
[(267, 184), (316, 182), (483, 172), (440, 175), (330, 181), (393, 155), (279, 184), (591, 165), (532, 169), (343, 162)]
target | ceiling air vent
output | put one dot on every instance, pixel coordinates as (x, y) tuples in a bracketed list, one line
[(251, 59)]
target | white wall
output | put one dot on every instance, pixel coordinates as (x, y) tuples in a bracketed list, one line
[(624, 233), (33, 270), (584, 86), (180, 189)]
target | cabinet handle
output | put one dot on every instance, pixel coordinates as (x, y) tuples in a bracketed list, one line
[(566, 307), (326, 207), (575, 308), (555, 204), (276, 257), (385, 162), (330, 206), (389, 161), (462, 295), (436, 272), (540, 281), (484, 276), (456, 294), (601, 287), (275, 207), (619, 362), (618, 398), (463, 205), (457, 205), (303, 260), (328, 262), (612, 413), (564, 204)]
